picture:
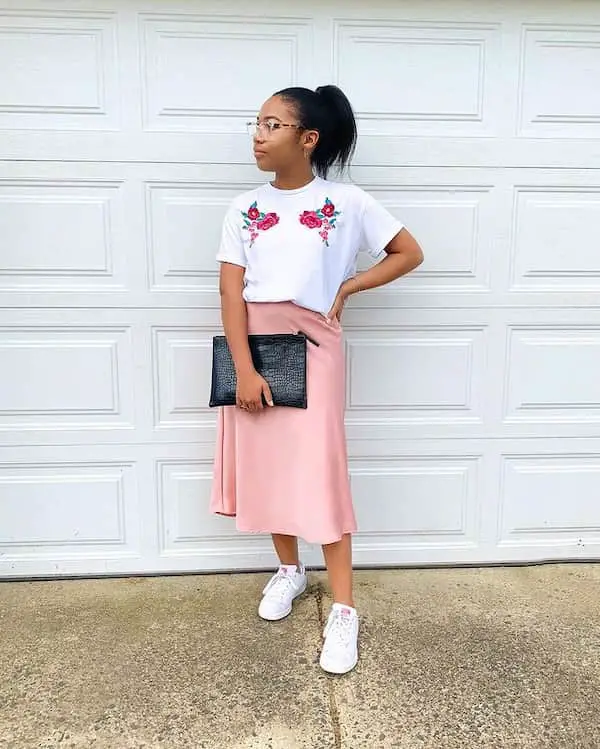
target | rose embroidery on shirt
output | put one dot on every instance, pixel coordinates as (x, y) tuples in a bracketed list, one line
[(324, 220), (256, 221)]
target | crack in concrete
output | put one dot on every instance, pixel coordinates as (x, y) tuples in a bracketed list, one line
[(334, 713)]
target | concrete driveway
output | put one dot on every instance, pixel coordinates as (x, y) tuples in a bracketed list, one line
[(465, 658)]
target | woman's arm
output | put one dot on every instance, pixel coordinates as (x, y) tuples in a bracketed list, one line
[(250, 385), (403, 255), (234, 316)]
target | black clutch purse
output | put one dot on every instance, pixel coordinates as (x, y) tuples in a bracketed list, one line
[(280, 358)]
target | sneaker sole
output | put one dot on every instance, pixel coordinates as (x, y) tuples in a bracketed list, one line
[(331, 669), (288, 611)]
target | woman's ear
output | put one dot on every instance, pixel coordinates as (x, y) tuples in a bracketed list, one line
[(310, 139)]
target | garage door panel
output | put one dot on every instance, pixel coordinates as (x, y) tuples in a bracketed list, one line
[(400, 372), (184, 229), (550, 498), (454, 221), (429, 499), (555, 239), (69, 509), (460, 97), (182, 376), (552, 374), (184, 520), (559, 85), (180, 48), (38, 52), (64, 235), (66, 377)]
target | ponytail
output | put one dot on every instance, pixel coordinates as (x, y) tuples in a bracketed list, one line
[(328, 111)]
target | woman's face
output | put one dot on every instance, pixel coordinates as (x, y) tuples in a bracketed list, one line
[(279, 142)]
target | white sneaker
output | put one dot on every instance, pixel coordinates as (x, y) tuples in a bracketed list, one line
[(281, 590), (340, 651)]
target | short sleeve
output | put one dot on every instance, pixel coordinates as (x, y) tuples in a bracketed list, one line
[(231, 249), (378, 227)]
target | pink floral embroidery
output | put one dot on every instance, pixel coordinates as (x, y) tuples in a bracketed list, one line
[(255, 221), (324, 219), (311, 219)]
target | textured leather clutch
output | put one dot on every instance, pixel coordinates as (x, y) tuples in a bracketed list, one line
[(279, 358)]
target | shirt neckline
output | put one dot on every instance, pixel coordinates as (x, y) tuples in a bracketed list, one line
[(296, 191)]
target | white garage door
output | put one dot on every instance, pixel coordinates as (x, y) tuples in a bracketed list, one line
[(474, 388)]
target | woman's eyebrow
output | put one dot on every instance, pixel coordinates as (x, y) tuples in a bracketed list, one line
[(268, 117)]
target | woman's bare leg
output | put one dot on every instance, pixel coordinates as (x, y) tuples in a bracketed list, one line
[(287, 549), (338, 558)]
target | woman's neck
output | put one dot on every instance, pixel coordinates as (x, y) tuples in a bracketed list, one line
[(293, 180)]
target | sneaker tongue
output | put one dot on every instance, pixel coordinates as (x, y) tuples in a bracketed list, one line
[(288, 569)]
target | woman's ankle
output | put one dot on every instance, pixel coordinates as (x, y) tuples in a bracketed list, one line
[(345, 601)]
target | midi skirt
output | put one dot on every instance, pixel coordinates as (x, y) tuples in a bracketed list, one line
[(285, 470)]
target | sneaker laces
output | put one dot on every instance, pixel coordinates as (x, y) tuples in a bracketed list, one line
[(279, 586), (340, 629)]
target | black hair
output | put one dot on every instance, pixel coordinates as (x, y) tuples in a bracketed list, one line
[(328, 111)]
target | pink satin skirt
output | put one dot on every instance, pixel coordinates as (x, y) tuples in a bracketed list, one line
[(285, 470)]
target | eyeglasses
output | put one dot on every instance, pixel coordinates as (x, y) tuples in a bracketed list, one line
[(267, 128)]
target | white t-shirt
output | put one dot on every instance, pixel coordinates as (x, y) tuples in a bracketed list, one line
[(301, 245)]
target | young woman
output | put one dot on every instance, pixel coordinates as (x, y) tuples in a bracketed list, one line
[(288, 264)]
